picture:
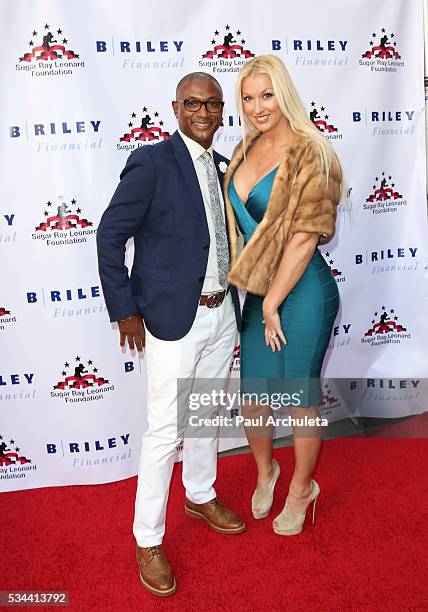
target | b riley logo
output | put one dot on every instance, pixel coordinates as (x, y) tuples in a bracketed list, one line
[(80, 384), (385, 329), (63, 224), (382, 53), (49, 54), (227, 53), (13, 464), (147, 129), (323, 122), (385, 197), (236, 359)]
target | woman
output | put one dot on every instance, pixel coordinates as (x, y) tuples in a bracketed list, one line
[(282, 187)]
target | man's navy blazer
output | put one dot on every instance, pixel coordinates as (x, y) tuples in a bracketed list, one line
[(159, 203)]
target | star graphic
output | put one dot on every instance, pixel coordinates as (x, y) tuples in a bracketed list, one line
[(60, 197), (375, 314), (46, 26), (216, 33), (63, 373), (161, 123), (395, 43), (327, 254), (238, 33), (78, 210), (395, 318), (326, 116), (11, 441), (373, 321), (393, 185), (46, 213), (145, 109), (330, 262), (383, 307), (95, 370), (73, 201), (76, 55), (31, 43), (64, 41), (383, 30), (374, 186), (49, 203), (383, 173), (90, 362), (389, 178), (129, 124), (371, 42), (59, 31), (322, 109), (243, 41), (312, 103), (374, 35), (392, 35), (213, 41), (34, 33), (156, 114), (227, 28), (17, 449), (133, 115), (66, 365), (77, 358), (376, 179), (392, 310)]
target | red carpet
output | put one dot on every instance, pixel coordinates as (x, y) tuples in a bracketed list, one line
[(367, 549)]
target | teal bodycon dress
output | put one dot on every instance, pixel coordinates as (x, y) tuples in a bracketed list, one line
[(307, 317)]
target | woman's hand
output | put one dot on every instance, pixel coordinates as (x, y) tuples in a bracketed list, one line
[(273, 330)]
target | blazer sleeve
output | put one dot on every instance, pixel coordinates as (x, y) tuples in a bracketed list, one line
[(317, 199), (120, 221)]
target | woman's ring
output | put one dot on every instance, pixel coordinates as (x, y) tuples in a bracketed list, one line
[(273, 336)]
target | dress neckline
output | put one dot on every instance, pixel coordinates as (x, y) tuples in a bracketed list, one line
[(254, 186)]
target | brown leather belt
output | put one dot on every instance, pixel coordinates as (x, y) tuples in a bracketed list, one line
[(213, 300)]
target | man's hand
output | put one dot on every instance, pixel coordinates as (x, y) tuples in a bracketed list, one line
[(133, 330)]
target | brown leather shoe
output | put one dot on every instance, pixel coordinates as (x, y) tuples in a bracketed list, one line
[(155, 571), (217, 516)]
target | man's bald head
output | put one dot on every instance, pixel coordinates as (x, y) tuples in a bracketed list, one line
[(197, 76)]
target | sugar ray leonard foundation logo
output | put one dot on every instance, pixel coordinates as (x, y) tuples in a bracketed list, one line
[(385, 329), (236, 359), (338, 276), (13, 463), (49, 54), (64, 224), (382, 53), (322, 120), (227, 53), (148, 129), (79, 384), (384, 197), (328, 401), (7, 318)]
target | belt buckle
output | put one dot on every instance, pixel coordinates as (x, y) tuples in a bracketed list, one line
[(215, 300)]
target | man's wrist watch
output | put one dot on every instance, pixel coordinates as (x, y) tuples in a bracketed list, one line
[(128, 318)]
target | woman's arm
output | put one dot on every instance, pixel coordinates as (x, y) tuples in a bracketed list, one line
[(294, 260)]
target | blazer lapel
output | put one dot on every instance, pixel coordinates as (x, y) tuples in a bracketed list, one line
[(185, 162)]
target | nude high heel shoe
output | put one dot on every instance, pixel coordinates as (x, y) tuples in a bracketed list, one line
[(290, 522), (262, 499)]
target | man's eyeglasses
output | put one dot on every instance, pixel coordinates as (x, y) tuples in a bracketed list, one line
[(192, 105)]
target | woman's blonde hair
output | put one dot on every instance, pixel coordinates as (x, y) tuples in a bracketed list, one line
[(289, 103)]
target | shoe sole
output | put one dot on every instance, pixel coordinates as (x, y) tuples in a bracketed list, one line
[(287, 533), (198, 515), (157, 592)]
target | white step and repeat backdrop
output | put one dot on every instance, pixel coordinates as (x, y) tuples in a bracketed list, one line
[(86, 83)]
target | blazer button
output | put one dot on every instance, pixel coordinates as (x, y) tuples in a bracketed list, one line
[(201, 279), (206, 247)]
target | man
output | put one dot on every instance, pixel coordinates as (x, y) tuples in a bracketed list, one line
[(177, 304)]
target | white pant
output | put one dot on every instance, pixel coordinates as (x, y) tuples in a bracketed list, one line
[(204, 352)]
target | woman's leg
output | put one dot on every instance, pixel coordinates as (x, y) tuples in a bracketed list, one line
[(260, 440), (307, 443)]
